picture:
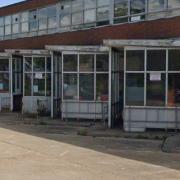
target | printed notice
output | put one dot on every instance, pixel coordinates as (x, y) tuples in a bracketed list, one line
[(155, 77)]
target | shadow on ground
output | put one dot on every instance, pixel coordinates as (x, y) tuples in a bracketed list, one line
[(148, 151)]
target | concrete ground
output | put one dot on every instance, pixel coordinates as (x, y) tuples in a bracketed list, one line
[(27, 153)]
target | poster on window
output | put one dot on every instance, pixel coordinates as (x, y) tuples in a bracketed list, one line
[(155, 76), (38, 76), (35, 89)]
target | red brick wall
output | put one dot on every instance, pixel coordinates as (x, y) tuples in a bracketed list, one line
[(158, 29)]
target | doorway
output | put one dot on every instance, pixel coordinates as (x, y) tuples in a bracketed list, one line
[(17, 83), (117, 87)]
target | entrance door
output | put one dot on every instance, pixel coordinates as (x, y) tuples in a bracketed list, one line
[(17, 82), (57, 85), (117, 87)]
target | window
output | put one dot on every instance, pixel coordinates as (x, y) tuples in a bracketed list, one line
[(82, 81), (102, 62), (65, 14), (77, 18), (4, 82), (137, 6), (102, 13), (174, 89), (4, 64), (155, 89), (86, 63), (86, 87), (173, 3), (70, 63), (33, 23), (135, 60), (89, 4), (65, 20), (90, 16), (120, 8), (1, 21), (24, 22), (135, 89), (77, 5), (52, 21), (39, 84), (38, 78), (156, 5), (39, 64), (70, 86), (102, 87), (103, 9), (174, 60), (156, 60)]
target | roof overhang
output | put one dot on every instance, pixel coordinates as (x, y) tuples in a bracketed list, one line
[(77, 48), (27, 52), (143, 43)]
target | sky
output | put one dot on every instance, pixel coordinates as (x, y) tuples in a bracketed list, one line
[(8, 2)]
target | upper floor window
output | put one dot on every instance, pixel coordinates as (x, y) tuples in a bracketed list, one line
[(173, 3), (137, 6), (156, 5), (120, 8)]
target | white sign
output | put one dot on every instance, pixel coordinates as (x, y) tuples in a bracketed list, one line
[(38, 76), (155, 77), (136, 18), (35, 89)]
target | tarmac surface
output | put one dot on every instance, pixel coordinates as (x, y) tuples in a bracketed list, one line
[(36, 155)]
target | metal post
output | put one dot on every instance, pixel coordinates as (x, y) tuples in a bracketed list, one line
[(109, 97)]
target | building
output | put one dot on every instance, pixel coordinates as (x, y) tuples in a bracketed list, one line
[(93, 59)]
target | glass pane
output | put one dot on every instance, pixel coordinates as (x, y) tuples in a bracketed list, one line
[(77, 18), (48, 84), (4, 82), (102, 62), (24, 16), (103, 3), (135, 60), (70, 62), (120, 8), (102, 13), (1, 31), (102, 87), (1, 21), (28, 81), (77, 5), (135, 89), (86, 87), (155, 89), (89, 4), (42, 24), (174, 90), (25, 27), (90, 16), (43, 13), (39, 84), (51, 11), (86, 63), (8, 30), (156, 60), (15, 28), (48, 64), (39, 64), (137, 6), (174, 60), (15, 18), (52, 22), (65, 7), (70, 86), (65, 20), (33, 15), (33, 25), (4, 64), (28, 64), (173, 3), (155, 5), (7, 20)]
